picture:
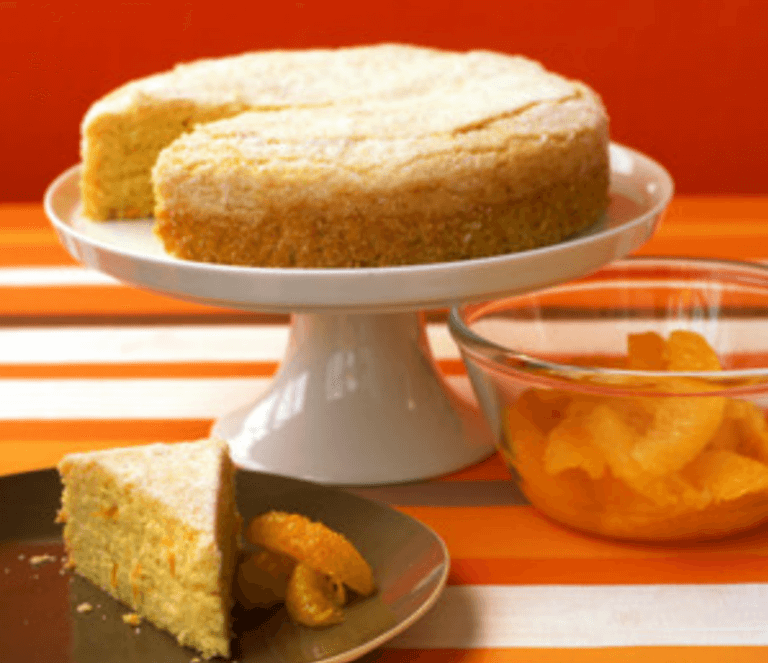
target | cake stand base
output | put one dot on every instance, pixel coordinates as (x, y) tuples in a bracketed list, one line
[(357, 400)]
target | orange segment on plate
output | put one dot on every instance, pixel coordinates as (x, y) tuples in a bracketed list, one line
[(314, 599), (262, 578), (314, 544)]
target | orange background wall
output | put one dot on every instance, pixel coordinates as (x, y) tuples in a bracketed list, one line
[(684, 81)]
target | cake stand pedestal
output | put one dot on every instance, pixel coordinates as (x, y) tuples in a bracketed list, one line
[(357, 399)]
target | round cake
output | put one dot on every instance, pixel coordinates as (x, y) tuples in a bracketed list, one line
[(367, 156)]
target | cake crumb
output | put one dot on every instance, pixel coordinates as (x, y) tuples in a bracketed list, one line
[(131, 618), (84, 607), (7, 570), (39, 560), (22, 557)]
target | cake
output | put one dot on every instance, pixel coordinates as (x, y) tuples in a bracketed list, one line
[(365, 156), (157, 527)]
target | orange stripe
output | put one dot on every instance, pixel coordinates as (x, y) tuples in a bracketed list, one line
[(39, 256), (97, 301), (29, 456), (140, 370), (23, 215), (25, 304), (521, 532), (717, 246), (491, 469), (27, 237), (127, 370), (687, 654), (117, 431), (668, 570), (731, 208)]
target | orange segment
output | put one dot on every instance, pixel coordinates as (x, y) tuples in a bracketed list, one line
[(262, 578), (314, 544), (646, 352), (679, 427), (314, 599), (677, 463), (689, 351), (751, 429), (569, 448), (727, 475)]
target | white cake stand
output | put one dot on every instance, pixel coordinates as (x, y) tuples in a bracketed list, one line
[(357, 399)]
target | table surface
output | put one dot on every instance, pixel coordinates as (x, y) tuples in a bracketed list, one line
[(88, 363)]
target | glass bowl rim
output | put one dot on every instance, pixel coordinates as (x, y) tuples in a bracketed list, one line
[(510, 361)]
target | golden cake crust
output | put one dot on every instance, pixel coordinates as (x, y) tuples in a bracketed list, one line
[(454, 174)]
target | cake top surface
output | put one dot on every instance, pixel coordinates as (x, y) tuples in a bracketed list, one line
[(271, 80), (182, 476), (440, 138)]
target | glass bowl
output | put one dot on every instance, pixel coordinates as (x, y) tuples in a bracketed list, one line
[(609, 406)]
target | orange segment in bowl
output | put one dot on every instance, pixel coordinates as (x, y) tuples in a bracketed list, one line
[(727, 475), (679, 427), (744, 430), (689, 351), (675, 463), (646, 352)]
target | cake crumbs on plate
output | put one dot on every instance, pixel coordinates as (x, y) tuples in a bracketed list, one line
[(131, 618), (39, 560), (84, 607)]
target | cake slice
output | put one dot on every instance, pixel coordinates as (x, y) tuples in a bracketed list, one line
[(157, 527)]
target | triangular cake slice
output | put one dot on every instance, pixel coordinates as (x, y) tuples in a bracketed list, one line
[(157, 527)]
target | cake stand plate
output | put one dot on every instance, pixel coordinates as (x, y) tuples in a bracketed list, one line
[(357, 399)]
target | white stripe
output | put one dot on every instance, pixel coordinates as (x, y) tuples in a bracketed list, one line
[(190, 343), (468, 617), (137, 398), (126, 399), (67, 345), (53, 276)]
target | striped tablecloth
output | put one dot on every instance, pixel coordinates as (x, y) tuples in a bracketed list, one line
[(88, 363)]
